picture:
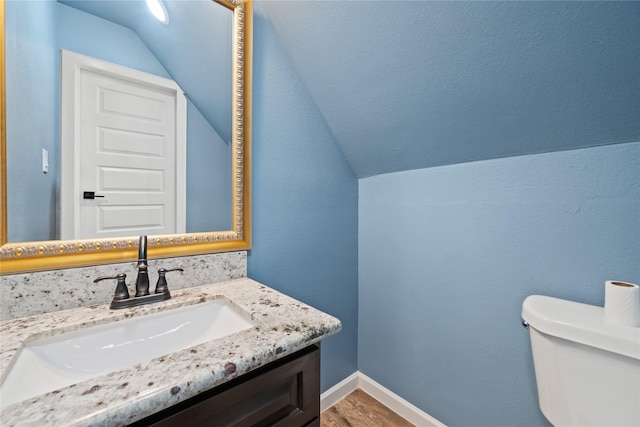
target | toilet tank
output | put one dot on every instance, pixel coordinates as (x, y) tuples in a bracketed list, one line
[(587, 371)]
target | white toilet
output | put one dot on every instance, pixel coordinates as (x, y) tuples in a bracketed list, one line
[(587, 371)]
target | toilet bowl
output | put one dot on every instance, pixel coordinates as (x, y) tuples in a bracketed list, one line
[(587, 371)]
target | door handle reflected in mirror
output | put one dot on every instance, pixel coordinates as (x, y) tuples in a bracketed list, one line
[(90, 195)]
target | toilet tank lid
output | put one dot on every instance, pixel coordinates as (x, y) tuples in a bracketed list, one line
[(581, 323)]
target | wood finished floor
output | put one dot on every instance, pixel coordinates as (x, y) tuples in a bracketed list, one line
[(361, 410)]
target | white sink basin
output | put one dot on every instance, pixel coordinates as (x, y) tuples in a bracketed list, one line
[(52, 363)]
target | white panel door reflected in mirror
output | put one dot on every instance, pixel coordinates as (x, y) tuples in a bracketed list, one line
[(123, 166)]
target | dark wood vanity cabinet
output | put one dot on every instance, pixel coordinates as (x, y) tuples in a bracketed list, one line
[(283, 393)]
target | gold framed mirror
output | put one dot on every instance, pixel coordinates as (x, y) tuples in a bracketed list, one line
[(27, 256)]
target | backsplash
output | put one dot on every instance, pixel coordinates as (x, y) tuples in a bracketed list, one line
[(42, 292)]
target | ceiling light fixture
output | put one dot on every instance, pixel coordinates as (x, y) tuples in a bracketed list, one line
[(157, 8)]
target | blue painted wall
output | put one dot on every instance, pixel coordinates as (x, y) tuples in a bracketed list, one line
[(32, 195), (448, 254), (305, 202), (208, 176), (92, 36)]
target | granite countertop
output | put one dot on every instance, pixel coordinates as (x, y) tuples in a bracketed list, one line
[(283, 326)]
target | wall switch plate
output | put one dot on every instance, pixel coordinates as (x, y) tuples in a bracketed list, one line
[(45, 160)]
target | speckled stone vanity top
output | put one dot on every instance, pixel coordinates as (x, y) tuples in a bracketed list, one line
[(283, 326)]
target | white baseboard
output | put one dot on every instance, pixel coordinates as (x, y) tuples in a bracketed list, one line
[(339, 391), (391, 400)]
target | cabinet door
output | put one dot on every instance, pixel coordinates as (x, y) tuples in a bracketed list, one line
[(284, 393)]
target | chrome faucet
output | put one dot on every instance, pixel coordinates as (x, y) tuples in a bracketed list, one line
[(121, 297), (142, 282)]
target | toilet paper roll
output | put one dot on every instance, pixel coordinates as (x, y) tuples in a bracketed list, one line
[(622, 303)]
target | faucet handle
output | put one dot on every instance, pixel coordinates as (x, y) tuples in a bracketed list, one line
[(122, 292), (161, 286)]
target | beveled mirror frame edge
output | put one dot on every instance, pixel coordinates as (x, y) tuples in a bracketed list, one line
[(24, 257)]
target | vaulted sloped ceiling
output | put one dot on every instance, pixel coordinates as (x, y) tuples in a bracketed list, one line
[(414, 84), (195, 47)]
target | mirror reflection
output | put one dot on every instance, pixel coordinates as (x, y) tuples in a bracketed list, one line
[(122, 120)]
